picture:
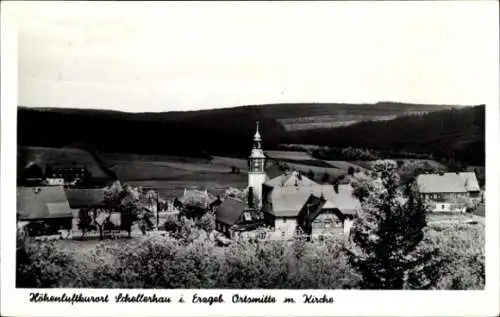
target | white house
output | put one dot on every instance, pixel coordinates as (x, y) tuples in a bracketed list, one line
[(449, 192)]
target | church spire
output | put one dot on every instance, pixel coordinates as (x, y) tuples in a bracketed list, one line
[(256, 138), (256, 173)]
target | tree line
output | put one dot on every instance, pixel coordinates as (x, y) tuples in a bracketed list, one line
[(456, 133)]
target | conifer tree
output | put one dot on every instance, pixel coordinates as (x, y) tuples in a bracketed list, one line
[(385, 243)]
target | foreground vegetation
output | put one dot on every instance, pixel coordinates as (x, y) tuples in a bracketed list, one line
[(192, 260)]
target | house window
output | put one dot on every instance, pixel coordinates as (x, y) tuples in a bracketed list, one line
[(284, 220), (442, 206), (247, 215), (327, 223)]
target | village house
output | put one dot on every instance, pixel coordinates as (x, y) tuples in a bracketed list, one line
[(43, 210), (449, 192), (234, 219), (287, 195), (38, 166), (282, 201)]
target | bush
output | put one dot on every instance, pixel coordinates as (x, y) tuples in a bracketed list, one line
[(43, 265), (206, 222), (462, 251)]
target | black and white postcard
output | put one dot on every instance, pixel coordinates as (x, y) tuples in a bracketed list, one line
[(250, 158)]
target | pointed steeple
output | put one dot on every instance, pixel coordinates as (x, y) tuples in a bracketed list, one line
[(256, 138)]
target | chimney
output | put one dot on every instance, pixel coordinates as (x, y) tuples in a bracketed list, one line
[(336, 188), (37, 190), (250, 197)]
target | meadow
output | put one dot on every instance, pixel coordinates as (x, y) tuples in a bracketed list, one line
[(170, 175)]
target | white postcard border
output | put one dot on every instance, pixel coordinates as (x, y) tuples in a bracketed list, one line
[(347, 303)]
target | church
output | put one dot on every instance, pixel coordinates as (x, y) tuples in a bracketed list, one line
[(288, 204)]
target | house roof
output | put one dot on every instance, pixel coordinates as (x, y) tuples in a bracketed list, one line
[(293, 178), (85, 197), (471, 183), (312, 206), (272, 172), (447, 183), (344, 200), (42, 203), (230, 211), (288, 201)]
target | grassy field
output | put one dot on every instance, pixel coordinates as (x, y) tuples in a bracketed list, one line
[(329, 121), (289, 155), (344, 165), (171, 175)]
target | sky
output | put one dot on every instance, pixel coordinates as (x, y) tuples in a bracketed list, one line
[(163, 56)]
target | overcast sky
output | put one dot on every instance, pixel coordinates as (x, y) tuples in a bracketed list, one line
[(183, 56)]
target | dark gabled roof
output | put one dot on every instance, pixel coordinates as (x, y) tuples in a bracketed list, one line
[(230, 211), (312, 207), (85, 197), (42, 203), (215, 202)]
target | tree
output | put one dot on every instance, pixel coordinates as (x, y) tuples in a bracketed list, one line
[(325, 178), (207, 222), (128, 202), (386, 237), (350, 170), (84, 221), (310, 174), (361, 184)]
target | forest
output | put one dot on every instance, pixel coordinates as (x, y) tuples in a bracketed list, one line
[(457, 134), (453, 133)]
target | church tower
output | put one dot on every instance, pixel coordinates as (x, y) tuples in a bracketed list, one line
[(256, 174)]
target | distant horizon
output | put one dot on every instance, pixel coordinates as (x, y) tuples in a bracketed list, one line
[(253, 105)]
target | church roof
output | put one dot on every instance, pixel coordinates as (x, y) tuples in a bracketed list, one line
[(291, 179)]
